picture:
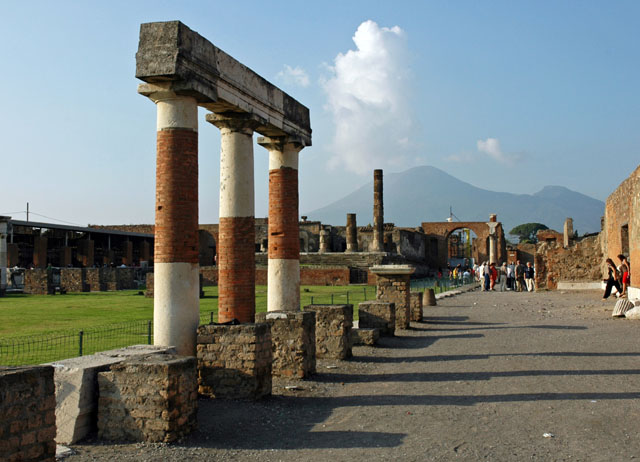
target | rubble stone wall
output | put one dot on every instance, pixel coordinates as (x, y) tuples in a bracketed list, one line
[(580, 262), (27, 410), (377, 315), (153, 398), (293, 342), (416, 306), (234, 361), (38, 281), (73, 280), (396, 289), (333, 330)]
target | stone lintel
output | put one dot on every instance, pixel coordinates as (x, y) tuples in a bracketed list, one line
[(392, 270), (172, 55)]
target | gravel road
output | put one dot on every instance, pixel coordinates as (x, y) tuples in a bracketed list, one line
[(546, 376)]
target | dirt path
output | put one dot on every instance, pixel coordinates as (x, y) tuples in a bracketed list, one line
[(484, 378)]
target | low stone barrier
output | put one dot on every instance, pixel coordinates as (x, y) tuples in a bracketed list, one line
[(333, 330), (293, 342), (415, 303), (38, 281), (27, 414), (151, 398), (76, 391), (365, 336), (378, 315), (234, 361), (94, 281), (73, 280)]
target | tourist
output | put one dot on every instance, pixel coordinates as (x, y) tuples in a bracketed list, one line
[(493, 275), (519, 270), (487, 276), (612, 279), (503, 277), (510, 276), (624, 271), (529, 275)]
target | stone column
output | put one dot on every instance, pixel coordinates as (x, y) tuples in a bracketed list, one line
[(4, 233), (352, 233), (176, 284), (493, 248), (568, 231), (378, 213), (324, 241), (283, 278), (236, 238)]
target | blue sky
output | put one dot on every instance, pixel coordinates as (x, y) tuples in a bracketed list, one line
[(509, 96)]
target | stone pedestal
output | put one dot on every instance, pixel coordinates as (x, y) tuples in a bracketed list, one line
[(333, 330), (234, 361), (377, 315), (293, 342), (361, 336), (416, 306), (27, 410), (153, 398), (393, 285), (429, 298)]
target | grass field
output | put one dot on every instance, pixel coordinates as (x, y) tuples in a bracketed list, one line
[(42, 328)]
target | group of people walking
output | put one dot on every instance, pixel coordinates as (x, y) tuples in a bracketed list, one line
[(618, 277), (512, 276)]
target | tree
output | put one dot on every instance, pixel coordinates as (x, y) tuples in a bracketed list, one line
[(527, 232)]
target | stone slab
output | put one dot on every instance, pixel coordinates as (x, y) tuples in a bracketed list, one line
[(570, 285), (77, 389)]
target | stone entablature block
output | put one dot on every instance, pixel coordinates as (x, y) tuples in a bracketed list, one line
[(333, 330), (151, 398), (27, 414), (174, 58), (293, 342), (234, 361), (377, 315)]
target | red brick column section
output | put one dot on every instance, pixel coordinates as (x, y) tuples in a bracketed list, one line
[(378, 213), (236, 233), (283, 231), (176, 279)]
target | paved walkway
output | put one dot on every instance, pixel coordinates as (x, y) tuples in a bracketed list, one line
[(488, 376)]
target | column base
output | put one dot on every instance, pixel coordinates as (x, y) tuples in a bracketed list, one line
[(333, 330)]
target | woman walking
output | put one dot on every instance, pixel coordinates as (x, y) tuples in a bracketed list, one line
[(612, 279)]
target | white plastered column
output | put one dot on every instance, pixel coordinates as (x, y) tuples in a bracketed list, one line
[(492, 242), (176, 284)]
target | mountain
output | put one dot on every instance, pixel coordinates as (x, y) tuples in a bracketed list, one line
[(425, 194)]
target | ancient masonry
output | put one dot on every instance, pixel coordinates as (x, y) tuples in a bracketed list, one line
[(182, 71), (27, 407), (377, 315), (393, 285), (352, 233), (333, 330), (153, 398)]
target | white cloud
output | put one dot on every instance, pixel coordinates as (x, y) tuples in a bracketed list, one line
[(294, 76), (491, 147), (367, 96)]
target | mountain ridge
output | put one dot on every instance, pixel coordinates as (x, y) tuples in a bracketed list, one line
[(425, 193)]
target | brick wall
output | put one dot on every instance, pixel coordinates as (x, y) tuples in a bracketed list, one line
[(27, 410), (283, 214), (396, 289)]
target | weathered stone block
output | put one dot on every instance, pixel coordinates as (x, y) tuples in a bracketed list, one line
[(72, 280), (149, 286), (38, 281), (27, 419), (76, 389), (415, 303), (150, 398), (365, 336), (377, 315), (333, 330), (429, 298), (234, 361), (293, 342)]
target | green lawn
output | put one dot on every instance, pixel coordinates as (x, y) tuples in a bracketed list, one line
[(43, 328), (44, 314)]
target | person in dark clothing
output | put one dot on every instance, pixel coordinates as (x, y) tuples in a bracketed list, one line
[(612, 279), (519, 270)]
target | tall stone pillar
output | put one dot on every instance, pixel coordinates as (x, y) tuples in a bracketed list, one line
[(236, 238), (568, 231), (283, 292), (127, 256), (4, 233), (176, 277), (378, 213), (493, 238), (324, 241), (352, 233), (492, 249)]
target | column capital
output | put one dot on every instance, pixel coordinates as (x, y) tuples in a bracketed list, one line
[(235, 121), (282, 143)]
